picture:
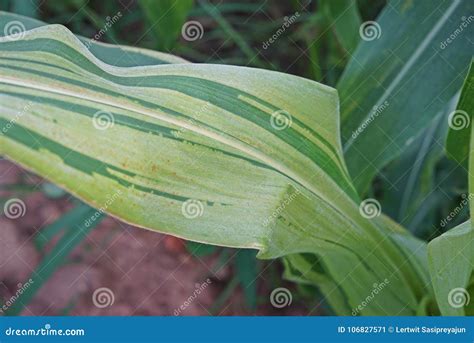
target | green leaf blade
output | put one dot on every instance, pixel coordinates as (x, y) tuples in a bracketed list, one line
[(383, 105)]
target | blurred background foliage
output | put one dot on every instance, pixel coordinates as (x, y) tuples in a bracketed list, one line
[(418, 189)]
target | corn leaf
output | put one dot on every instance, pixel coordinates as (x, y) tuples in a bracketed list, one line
[(410, 180), (118, 55), (451, 262), (457, 143), (403, 73), (217, 154), (451, 256), (346, 21)]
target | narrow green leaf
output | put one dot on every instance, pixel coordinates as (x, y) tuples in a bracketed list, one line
[(55, 259), (460, 121), (166, 19), (345, 20), (246, 265), (67, 220), (213, 11)]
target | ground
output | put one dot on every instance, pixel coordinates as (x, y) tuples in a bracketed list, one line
[(145, 272)]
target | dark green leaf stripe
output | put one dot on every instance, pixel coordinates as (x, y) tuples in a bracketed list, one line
[(217, 94), (130, 122)]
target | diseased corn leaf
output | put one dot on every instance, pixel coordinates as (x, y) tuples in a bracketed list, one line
[(166, 19), (451, 262), (224, 155), (117, 55), (457, 144), (400, 77), (307, 269)]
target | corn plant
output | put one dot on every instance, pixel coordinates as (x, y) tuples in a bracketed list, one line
[(249, 158)]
